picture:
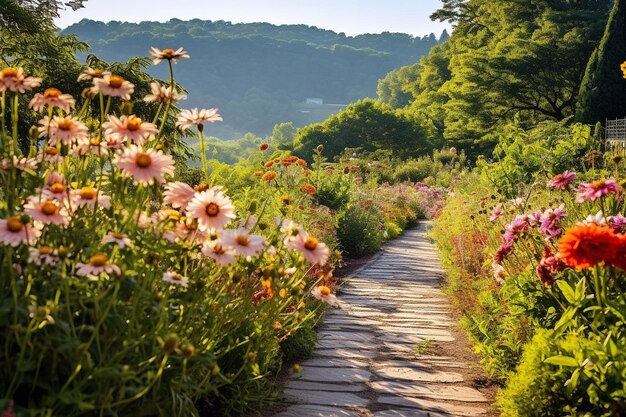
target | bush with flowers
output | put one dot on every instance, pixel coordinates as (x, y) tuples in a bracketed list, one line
[(537, 260), (134, 284)]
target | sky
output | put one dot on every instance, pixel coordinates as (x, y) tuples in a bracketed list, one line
[(352, 17)]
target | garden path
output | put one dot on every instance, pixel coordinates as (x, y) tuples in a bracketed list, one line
[(366, 364)]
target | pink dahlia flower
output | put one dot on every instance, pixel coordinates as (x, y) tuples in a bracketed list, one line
[(597, 189)]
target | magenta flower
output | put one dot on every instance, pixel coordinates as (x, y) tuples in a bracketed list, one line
[(548, 266), (597, 189), (618, 223), (505, 248), (550, 224), (562, 181), (496, 213)]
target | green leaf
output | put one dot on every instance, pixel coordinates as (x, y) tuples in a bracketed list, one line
[(562, 361), (567, 291)]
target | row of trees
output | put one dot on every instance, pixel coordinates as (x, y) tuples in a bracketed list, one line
[(509, 61)]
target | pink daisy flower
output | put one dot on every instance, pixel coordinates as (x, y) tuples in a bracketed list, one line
[(93, 146), (186, 230), (131, 128), (43, 255), (114, 86), (161, 94), (168, 54), (89, 74), (562, 181), (50, 154), (212, 208), (550, 222), (496, 213), (15, 80), (98, 264), (89, 197), (16, 230), (597, 189), (313, 250), (52, 97), (65, 130), (178, 194), (324, 294), (20, 163), (221, 254), (56, 189), (119, 239), (618, 223), (188, 118), (242, 242), (145, 167), (46, 210), (175, 278)]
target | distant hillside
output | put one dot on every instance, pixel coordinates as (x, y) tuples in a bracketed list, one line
[(258, 74)]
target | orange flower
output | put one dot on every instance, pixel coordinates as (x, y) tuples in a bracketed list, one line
[(269, 176), (301, 162), (308, 188), (269, 164), (585, 246), (258, 174), (620, 258), (263, 146)]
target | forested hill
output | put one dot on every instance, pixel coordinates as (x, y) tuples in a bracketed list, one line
[(258, 73)]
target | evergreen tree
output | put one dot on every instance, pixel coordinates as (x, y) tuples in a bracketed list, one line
[(603, 90)]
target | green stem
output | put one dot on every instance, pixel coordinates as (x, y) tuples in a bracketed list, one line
[(205, 170), (169, 102)]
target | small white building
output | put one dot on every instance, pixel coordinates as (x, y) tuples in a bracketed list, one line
[(314, 100)]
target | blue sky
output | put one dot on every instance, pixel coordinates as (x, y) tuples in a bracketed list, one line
[(349, 16)]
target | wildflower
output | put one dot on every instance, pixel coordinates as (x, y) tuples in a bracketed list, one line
[(550, 220), (17, 230), (65, 130), (175, 278), (20, 163), (597, 189), (302, 163), (263, 147), (269, 164), (178, 194), (216, 250), (50, 154), (308, 189), (269, 176), (161, 94), (131, 128), (258, 173), (98, 264), (93, 146), (453, 150), (498, 273), (548, 266), (52, 97), (242, 242), (56, 188), (623, 68), (618, 223), (43, 255), (169, 54), (562, 181), (187, 229), (584, 246), (212, 208), (313, 250), (188, 118), (324, 294), (89, 74), (505, 248), (496, 212), (144, 167), (517, 226), (119, 239), (517, 202), (619, 260), (46, 210), (15, 80), (114, 86), (598, 219), (89, 197)]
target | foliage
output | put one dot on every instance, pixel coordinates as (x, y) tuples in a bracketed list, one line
[(602, 93)]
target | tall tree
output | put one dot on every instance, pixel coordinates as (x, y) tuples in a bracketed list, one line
[(603, 90)]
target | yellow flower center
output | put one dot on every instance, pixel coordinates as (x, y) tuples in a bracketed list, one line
[(115, 81), (52, 93), (311, 243), (118, 236), (212, 210), (94, 141), (242, 240), (97, 73), (9, 72), (45, 250), (218, 250), (598, 184), (133, 124), (99, 259), (14, 224), (324, 290), (201, 187), (168, 53), (57, 188), (65, 124), (52, 151), (143, 160), (87, 193), (177, 277), (49, 208)]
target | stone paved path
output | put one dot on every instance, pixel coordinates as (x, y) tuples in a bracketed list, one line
[(365, 363)]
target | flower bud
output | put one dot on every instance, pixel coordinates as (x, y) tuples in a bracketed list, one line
[(320, 148), (170, 343)]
